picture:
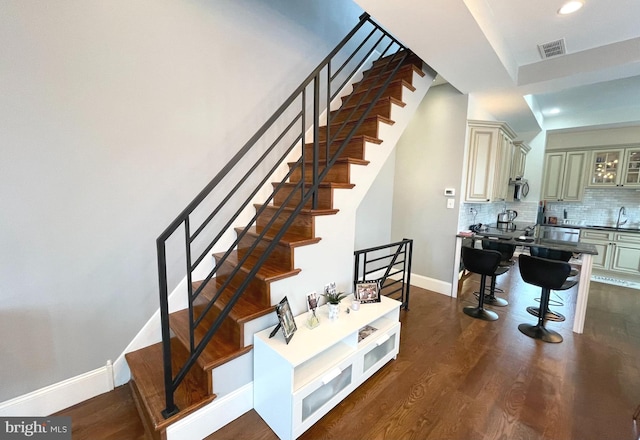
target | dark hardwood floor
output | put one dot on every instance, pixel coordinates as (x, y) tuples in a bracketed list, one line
[(461, 378)]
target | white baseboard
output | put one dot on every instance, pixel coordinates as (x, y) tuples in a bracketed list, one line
[(59, 396), (214, 416), (432, 284)]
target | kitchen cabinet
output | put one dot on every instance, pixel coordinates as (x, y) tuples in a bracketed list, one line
[(615, 168), (489, 161), (617, 251), (631, 173), (295, 384), (563, 178), (605, 167), (518, 159)]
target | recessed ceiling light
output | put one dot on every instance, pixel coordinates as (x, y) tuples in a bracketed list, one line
[(552, 111), (570, 7)]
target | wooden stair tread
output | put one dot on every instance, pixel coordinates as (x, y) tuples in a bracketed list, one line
[(331, 185), (243, 310), (266, 273), (356, 138), (369, 118), (351, 106), (342, 160), (217, 352), (289, 239), (149, 385), (304, 211)]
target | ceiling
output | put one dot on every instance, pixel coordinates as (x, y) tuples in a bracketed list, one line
[(489, 49)]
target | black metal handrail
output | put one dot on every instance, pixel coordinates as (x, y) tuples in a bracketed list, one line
[(206, 221), (391, 264)]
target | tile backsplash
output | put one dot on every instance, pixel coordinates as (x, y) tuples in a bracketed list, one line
[(600, 206), (487, 213)]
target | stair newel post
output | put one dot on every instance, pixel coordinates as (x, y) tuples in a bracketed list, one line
[(170, 408), (316, 139)]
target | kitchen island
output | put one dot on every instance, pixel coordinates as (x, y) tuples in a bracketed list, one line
[(517, 237)]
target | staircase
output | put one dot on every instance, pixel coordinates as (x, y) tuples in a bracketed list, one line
[(276, 235)]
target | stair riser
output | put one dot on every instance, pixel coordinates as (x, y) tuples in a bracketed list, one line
[(355, 149), (369, 127), (410, 59), (338, 173), (229, 329), (281, 256), (325, 198), (394, 90), (257, 289), (302, 224), (381, 108), (372, 80)]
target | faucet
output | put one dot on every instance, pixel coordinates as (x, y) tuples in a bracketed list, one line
[(621, 212)]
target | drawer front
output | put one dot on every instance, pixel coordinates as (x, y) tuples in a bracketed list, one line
[(593, 234), (318, 397), (628, 238), (381, 350)]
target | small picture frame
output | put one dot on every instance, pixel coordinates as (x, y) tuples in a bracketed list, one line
[(312, 301), (368, 291), (287, 321)]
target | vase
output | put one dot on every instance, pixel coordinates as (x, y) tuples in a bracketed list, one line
[(334, 310)]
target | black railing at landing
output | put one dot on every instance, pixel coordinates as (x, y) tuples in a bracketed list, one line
[(206, 225), (389, 265)]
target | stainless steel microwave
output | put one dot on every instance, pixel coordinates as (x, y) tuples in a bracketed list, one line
[(521, 189)]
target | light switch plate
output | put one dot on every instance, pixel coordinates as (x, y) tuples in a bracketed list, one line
[(451, 203)]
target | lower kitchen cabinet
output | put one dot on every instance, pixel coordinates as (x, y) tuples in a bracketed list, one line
[(296, 384), (626, 254), (617, 251)]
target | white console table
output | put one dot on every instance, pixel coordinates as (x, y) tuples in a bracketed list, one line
[(296, 384)]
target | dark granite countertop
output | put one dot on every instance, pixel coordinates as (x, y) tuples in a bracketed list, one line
[(518, 238), (623, 228)]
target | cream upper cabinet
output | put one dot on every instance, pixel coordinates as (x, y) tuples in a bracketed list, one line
[(518, 159), (563, 178), (615, 168), (489, 161), (631, 172), (605, 168)]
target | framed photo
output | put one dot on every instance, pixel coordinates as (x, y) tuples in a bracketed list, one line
[(287, 322), (312, 301), (368, 291)]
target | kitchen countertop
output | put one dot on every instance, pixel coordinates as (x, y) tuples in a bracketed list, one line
[(622, 228), (517, 237)]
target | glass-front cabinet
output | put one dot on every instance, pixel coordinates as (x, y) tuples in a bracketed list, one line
[(615, 168), (632, 168), (605, 168)]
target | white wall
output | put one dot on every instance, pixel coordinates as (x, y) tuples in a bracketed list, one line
[(115, 114), (428, 160)]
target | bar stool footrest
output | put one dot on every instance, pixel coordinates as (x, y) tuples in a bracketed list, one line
[(549, 316)]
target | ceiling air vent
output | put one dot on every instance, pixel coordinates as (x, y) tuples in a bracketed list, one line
[(552, 49)]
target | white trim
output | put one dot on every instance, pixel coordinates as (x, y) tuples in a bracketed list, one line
[(59, 396), (432, 284), (213, 416)]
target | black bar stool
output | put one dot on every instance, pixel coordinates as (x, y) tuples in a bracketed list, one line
[(483, 262), (506, 261), (547, 274), (553, 254)]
